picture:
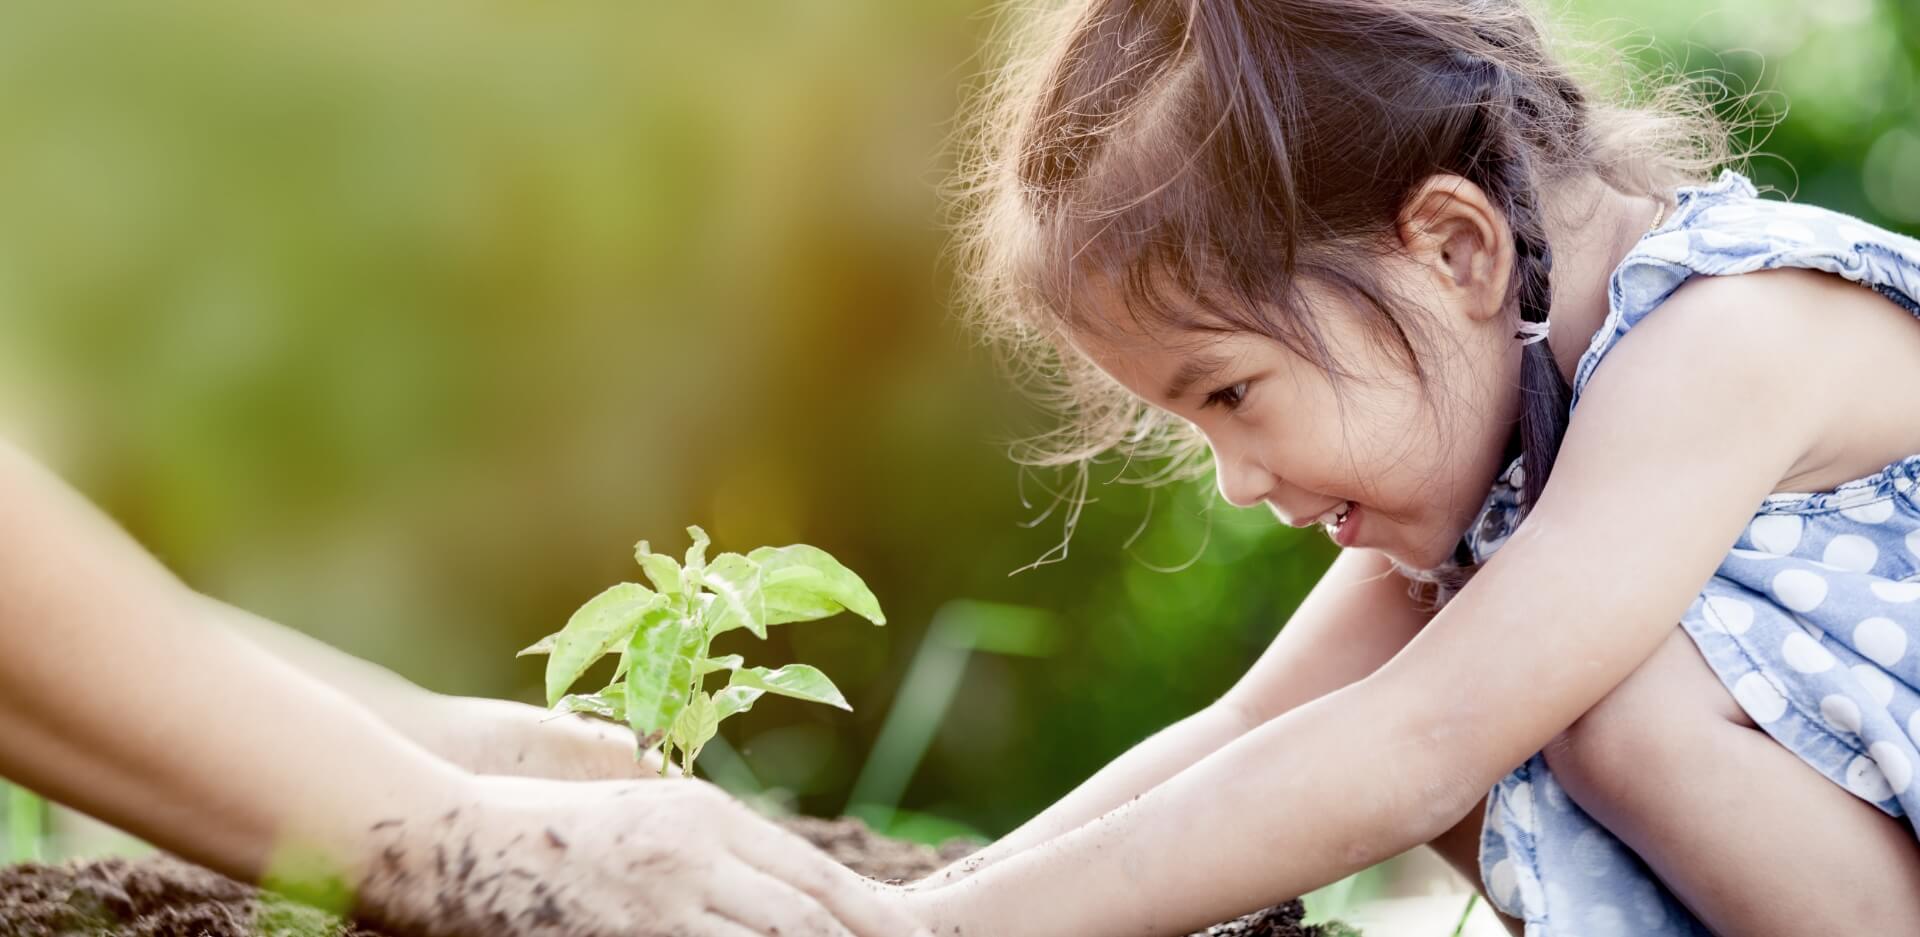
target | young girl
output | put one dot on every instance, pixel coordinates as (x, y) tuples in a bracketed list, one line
[(1399, 271)]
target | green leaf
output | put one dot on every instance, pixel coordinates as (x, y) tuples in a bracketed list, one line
[(697, 554), (660, 671), (711, 664), (796, 680), (802, 583), (734, 581), (789, 584), (610, 703), (695, 725), (677, 605), (542, 646), (607, 620), (660, 568), (735, 700)]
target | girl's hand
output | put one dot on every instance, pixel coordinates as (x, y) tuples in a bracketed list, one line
[(670, 858), (490, 736)]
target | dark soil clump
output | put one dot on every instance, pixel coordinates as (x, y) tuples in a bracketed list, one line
[(160, 896)]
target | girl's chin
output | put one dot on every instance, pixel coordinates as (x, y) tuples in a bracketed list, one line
[(1373, 532), (1424, 558)]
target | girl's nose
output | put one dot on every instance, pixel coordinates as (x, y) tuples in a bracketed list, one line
[(1243, 483)]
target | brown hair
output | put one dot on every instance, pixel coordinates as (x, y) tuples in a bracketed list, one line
[(1221, 150)]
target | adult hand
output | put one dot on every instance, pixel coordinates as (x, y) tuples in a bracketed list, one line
[(491, 736), (673, 858)]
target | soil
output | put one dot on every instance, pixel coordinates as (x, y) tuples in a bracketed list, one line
[(160, 896)]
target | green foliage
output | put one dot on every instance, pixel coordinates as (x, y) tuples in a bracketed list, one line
[(26, 824), (664, 634)]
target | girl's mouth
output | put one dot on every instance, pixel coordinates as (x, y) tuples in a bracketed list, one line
[(1341, 523)]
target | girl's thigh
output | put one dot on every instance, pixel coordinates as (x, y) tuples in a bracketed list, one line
[(1743, 831)]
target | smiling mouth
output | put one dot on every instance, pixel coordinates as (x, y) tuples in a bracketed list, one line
[(1334, 519)]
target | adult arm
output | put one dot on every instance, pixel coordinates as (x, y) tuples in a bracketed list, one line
[(484, 736), (118, 697)]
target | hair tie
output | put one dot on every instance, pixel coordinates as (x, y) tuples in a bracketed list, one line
[(1531, 332)]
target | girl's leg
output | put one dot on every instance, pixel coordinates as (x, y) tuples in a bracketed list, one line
[(1743, 832), (1460, 846)]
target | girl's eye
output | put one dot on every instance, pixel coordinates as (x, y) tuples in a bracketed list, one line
[(1228, 398)]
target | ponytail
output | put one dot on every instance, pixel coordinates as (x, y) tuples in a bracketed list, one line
[(1498, 158)]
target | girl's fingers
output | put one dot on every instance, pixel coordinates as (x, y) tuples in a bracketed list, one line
[(759, 903), (861, 905)]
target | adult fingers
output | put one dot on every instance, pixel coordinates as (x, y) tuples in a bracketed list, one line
[(854, 901), (714, 925), (766, 905)]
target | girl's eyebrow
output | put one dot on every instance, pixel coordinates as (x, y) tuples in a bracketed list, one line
[(1193, 371)]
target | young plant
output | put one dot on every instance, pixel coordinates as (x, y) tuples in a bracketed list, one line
[(663, 634)]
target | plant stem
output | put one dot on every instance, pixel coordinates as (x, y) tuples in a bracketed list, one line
[(1461, 927)]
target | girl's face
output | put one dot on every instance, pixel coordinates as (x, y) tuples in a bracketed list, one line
[(1376, 459)]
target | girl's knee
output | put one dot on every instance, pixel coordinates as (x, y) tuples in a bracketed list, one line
[(1647, 728)]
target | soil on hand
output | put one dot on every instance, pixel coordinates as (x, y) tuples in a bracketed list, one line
[(161, 896)]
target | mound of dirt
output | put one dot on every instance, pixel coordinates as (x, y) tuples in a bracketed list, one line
[(161, 896)]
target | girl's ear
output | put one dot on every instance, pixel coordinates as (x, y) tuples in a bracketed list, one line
[(1450, 228)]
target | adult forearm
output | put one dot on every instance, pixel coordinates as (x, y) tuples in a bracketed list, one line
[(1161, 756), (485, 736), (414, 710), (119, 697)]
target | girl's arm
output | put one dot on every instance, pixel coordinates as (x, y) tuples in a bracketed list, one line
[(1685, 430), (1358, 615), (485, 736)]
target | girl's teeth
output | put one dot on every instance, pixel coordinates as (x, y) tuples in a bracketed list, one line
[(1334, 517)]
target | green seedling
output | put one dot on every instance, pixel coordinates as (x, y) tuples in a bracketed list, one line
[(663, 634)]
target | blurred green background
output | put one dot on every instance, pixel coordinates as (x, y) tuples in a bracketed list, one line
[(400, 323)]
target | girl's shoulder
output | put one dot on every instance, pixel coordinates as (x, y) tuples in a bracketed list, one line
[(1725, 228)]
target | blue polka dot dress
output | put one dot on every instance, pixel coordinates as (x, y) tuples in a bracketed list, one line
[(1812, 622)]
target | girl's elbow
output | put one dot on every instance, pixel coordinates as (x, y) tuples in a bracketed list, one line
[(1448, 777)]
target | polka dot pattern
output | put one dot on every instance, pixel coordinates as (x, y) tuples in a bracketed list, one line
[(1520, 802), (1877, 511), (1805, 655), (1893, 765), (1864, 778), (1757, 696), (1851, 552), (1800, 589), (1501, 885), (1882, 640), (1810, 621), (1777, 534), (1729, 614), (1875, 681), (1841, 712)]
